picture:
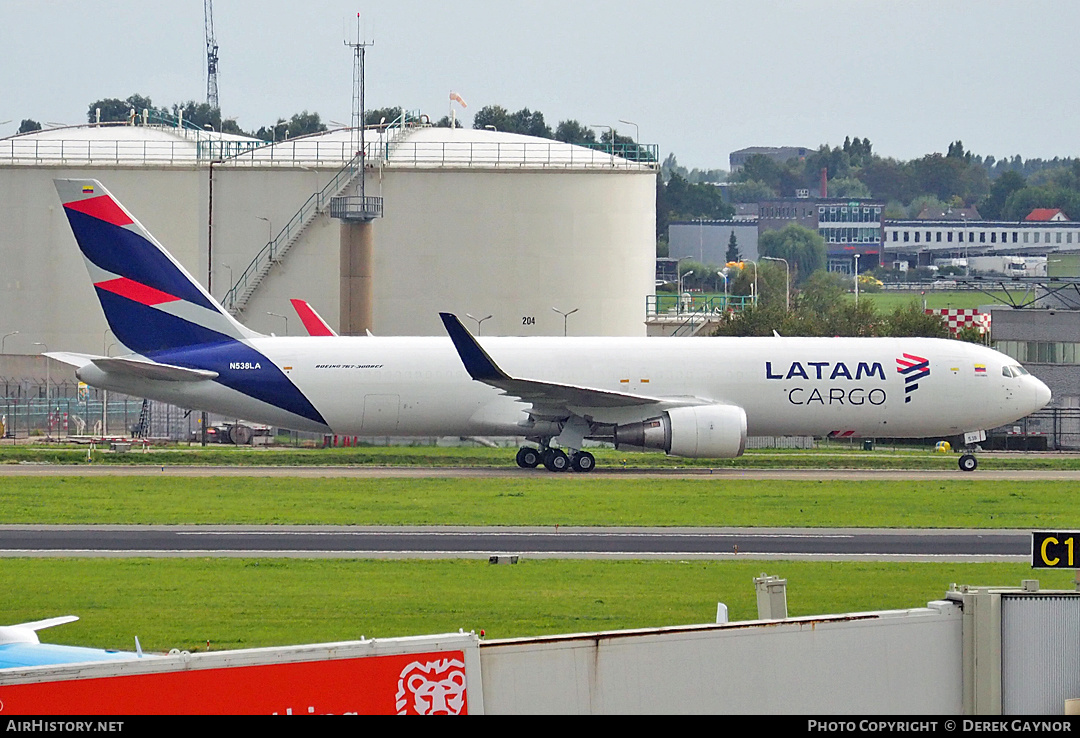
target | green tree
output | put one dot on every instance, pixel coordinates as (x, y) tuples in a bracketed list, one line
[(912, 320), (572, 132), (733, 253), (305, 123), (684, 201), (1021, 202), (524, 121), (382, 115), (28, 126), (753, 190), (992, 206), (114, 110), (804, 249), (198, 114), (848, 187)]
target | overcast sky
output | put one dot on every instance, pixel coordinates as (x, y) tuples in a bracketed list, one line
[(701, 78)]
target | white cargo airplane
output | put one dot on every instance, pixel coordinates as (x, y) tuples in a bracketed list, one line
[(690, 397)]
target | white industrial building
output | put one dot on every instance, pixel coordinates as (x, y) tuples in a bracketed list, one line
[(477, 222)]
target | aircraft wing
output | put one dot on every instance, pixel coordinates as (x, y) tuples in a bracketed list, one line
[(142, 368), (548, 398)]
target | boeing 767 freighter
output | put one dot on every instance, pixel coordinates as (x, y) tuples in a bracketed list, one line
[(690, 397)]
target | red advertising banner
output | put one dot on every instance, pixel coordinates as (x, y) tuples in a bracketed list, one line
[(407, 684)]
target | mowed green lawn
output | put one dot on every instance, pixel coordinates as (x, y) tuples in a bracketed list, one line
[(235, 603), (539, 499), (244, 603), (935, 299)]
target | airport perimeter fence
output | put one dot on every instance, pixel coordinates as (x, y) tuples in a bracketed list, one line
[(1050, 429), (32, 408)]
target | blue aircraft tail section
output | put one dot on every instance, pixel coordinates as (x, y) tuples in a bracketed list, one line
[(152, 304)]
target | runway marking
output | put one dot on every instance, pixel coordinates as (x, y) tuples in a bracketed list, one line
[(487, 534)]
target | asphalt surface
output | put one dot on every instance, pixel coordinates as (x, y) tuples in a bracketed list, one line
[(400, 472), (483, 542)]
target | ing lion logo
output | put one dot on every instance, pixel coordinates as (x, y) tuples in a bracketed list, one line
[(432, 688)]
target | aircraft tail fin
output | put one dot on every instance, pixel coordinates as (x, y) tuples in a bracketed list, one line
[(314, 323), (150, 301)]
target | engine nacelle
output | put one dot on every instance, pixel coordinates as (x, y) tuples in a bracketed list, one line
[(697, 432)]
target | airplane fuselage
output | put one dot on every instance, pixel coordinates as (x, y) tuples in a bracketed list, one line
[(894, 387)]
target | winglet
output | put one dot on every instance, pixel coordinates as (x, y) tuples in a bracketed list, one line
[(480, 366)]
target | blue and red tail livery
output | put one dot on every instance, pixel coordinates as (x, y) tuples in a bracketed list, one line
[(159, 311), (151, 302)]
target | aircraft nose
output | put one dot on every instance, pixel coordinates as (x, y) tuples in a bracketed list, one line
[(1042, 394)]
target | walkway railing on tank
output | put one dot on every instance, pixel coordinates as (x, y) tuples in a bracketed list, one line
[(249, 280), (512, 154), (688, 311), (662, 305), (394, 149)]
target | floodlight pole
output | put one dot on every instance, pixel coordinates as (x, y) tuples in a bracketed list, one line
[(787, 293), (564, 317)]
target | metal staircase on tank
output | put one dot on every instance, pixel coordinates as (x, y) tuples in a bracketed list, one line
[(236, 299)]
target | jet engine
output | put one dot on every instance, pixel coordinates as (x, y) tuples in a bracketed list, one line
[(697, 432)]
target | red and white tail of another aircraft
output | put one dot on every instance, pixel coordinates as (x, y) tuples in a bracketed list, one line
[(313, 322), (690, 397)]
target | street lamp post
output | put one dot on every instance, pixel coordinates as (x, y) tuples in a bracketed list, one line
[(751, 261), (479, 321), (963, 216), (787, 267), (564, 317), (679, 298), (724, 273), (5, 338), (856, 280), (637, 137), (48, 388), (611, 132), (283, 317)]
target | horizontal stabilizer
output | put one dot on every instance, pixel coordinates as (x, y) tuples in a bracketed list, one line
[(152, 370), (48, 622), (72, 359)]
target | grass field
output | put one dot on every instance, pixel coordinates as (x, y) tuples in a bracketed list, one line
[(235, 603), (935, 299), (836, 454), (244, 603), (538, 499)]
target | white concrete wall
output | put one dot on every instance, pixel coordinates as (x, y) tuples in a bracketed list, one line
[(509, 243), (45, 292), (897, 662)]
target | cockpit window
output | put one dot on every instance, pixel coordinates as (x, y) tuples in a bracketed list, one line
[(1013, 371)]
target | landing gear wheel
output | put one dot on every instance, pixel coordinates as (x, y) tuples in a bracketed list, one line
[(583, 461), (528, 457), (556, 460), (968, 463)]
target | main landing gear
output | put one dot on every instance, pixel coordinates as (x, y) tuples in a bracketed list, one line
[(968, 463), (555, 459)]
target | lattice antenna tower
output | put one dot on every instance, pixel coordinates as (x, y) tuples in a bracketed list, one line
[(356, 132), (211, 56)]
